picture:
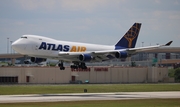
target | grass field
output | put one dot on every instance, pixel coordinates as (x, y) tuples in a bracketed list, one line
[(118, 103), (91, 88)]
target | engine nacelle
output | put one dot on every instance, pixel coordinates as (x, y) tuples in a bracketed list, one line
[(37, 60), (121, 54), (85, 57)]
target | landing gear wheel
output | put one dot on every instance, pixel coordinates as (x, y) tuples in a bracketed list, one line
[(61, 66), (83, 66)]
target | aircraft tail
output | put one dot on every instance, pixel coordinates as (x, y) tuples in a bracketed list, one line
[(130, 38)]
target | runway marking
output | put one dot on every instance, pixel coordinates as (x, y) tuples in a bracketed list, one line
[(86, 96)]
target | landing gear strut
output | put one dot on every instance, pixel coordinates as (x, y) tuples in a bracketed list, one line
[(61, 65)]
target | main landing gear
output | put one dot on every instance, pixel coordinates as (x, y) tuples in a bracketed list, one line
[(77, 65), (61, 66)]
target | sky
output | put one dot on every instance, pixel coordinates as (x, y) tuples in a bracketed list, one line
[(91, 21)]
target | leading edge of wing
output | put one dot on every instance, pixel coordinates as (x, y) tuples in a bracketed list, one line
[(72, 53), (90, 52)]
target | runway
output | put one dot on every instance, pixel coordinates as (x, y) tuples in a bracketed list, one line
[(86, 96)]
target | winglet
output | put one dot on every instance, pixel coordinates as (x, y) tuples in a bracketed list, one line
[(169, 43)]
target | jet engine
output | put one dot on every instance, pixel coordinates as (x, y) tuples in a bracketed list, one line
[(121, 54), (85, 57), (37, 60)]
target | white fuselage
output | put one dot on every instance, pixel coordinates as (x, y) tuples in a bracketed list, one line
[(38, 46)]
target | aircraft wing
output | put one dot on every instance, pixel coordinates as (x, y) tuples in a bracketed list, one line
[(98, 56), (148, 48), (74, 56), (132, 51)]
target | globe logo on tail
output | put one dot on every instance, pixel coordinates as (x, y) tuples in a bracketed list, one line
[(132, 34)]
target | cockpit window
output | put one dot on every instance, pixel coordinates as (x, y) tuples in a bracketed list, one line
[(24, 37)]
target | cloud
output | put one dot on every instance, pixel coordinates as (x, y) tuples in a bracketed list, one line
[(175, 17), (84, 20), (37, 4), (67, 5), (157, 1), (86, 5)]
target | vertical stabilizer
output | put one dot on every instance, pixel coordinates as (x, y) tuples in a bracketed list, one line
[(130, 38)]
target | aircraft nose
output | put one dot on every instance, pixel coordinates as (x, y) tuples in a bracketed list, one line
[(18, 46)]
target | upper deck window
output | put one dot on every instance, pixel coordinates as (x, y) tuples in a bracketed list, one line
[(24, 37)]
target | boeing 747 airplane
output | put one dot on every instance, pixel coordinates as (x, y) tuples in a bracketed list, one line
[(40, 48)]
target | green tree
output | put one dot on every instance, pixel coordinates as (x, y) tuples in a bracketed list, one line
[(133, 64), (171, 72), (177, 75)]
